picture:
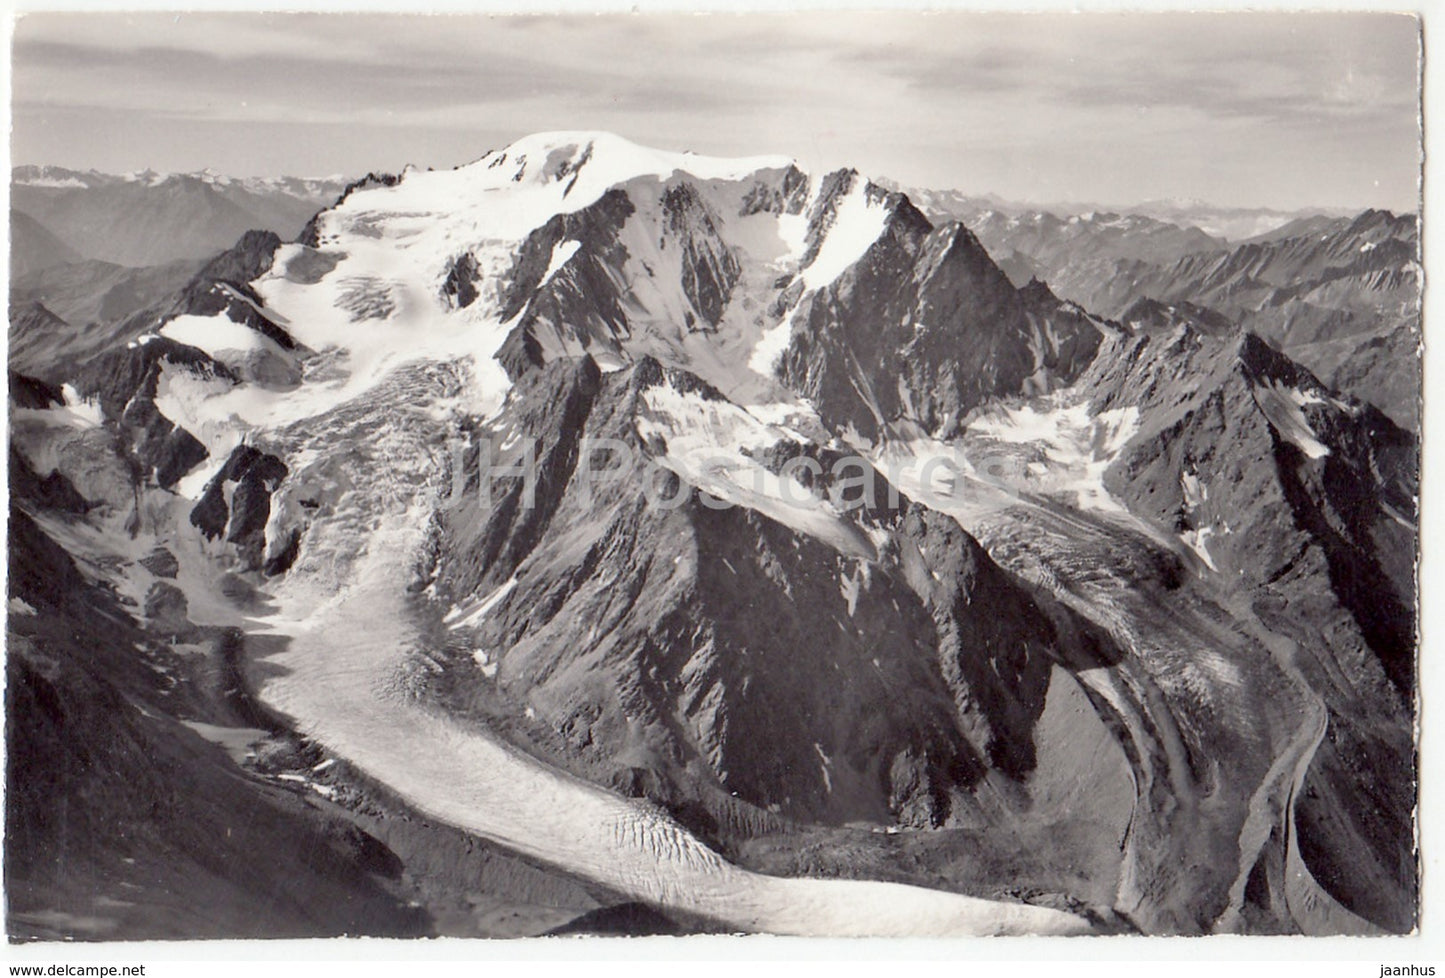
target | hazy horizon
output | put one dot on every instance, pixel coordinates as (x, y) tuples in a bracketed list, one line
[(1282, 111)]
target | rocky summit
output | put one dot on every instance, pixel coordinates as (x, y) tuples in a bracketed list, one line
[(596, 538)]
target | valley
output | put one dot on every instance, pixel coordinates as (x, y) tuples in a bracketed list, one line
[(594, 537)]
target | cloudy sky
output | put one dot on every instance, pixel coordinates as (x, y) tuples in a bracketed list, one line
[(1284, 110)]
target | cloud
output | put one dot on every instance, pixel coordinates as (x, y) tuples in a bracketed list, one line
[(1097, 105)]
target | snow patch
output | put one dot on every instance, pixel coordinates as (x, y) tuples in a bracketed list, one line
[(196, 402), (707, 444), (1195, 491), (562, 252), (826, 766), (214, 334), (471, 615), (771, 346), (857, 223), (83, 413), (484, 662), (19, 606), (1283, 406), (1198, 541), (193, 484), (54, 183)]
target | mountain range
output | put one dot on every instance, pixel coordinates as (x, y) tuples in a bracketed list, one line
[(1338, 293), (91, 249), (594, 537), (1230, 223)]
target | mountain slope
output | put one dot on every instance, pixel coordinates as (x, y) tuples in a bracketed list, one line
[(1328, 295), (923, 327), (34, 248), (534, 491), (152, 219), (696, 633), (1307, 503), (1327, 290), (90, 291), (36, 334)]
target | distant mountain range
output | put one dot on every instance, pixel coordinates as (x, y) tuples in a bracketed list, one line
[(90, 249), (1340, 293), (151, 218), (1229, 223)]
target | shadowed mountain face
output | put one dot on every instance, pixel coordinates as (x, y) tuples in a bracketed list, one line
[(1305, 502), (666, 525), (122, 819), (924, 327), (33, 248), (1339, 294), (686, 641)]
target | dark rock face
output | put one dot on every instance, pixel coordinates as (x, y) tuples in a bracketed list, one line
[(222, 286), (925, 327), (697, 635), (918, 332), (53, 491), (1344, 480), (579, 309), (627, 919), (580, 288), (244, 262), (1150, 315), (252, 476), (29, 392), (161, 562), (280, 562), (548, 411), (460, 285), (166, 607), (1307, 501), (709, 268), (787, 197), (125, 382), (40, 571)]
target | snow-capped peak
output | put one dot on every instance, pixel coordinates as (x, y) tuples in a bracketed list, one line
[(552, 156), (704, 246)]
